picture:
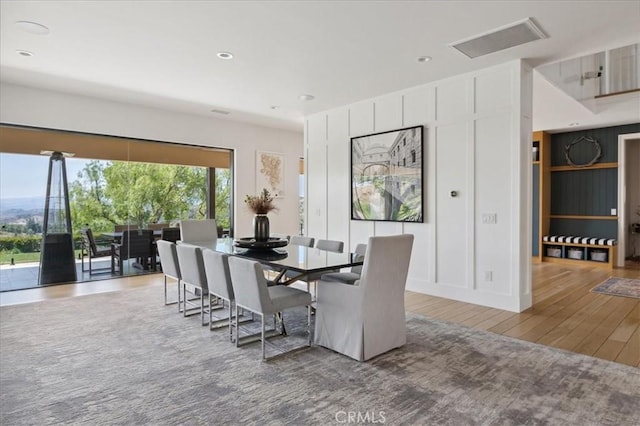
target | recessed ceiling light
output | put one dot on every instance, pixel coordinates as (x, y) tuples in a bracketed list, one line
[(574, 124), (424, 58), (220, 111), (306, 97), (32, 27), (225, 55), (24, 53)]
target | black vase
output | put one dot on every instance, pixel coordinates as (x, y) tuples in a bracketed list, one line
[(261, 227)]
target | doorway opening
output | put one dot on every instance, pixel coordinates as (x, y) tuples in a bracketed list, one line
[(629, 200)]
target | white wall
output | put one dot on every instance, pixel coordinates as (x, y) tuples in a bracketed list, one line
[(633, 192), (477, 142), (42, 108)]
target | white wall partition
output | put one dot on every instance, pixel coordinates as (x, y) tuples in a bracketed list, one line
[(43, 108), (473, 247)]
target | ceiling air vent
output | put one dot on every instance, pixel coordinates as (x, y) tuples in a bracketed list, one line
[(511, 35)]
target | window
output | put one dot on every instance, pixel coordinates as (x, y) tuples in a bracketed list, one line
[(112, 181)]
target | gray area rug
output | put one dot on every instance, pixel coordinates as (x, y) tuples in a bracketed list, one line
[(614, 286), (125, 358)]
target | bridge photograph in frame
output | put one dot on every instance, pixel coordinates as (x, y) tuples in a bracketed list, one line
[(387, 176)]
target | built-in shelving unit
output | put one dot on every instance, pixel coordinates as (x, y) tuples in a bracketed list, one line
[(573, 253), (592, 167), (582, 217), (574, 200)]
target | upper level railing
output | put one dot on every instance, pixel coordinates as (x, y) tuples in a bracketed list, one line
[(602, 74)]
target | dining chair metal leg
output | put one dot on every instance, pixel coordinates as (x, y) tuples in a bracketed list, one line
[(235, 325), (165, 290), (263, 337), (309, 324), (202, 309), (230, 332), (166, 294), (184, 299)]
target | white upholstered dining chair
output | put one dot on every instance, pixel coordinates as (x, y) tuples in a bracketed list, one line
[(216, 267), (354, 273), (193, 279), (170, 267), (367, 318), (199, 232)]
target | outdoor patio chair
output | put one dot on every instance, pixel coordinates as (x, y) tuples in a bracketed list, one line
[(170, 234), (92, 250)]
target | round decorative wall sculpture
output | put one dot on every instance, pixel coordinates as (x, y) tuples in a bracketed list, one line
[(596, 147)]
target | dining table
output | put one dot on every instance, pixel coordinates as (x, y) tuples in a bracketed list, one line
[(302, 260)]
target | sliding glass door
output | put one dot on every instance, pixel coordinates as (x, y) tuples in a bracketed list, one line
[(106, 196)]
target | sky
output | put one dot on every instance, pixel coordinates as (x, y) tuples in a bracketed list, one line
[(26, 175)]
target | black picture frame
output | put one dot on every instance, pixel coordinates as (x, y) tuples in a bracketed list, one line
[(387, 176)]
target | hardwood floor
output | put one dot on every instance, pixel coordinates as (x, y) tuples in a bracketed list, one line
[(564, 314)]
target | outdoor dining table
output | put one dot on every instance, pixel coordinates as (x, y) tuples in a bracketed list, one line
[(117, 236)]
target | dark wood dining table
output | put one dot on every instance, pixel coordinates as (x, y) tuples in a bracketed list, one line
[(117, 236)]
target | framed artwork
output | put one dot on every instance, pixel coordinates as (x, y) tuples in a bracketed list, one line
[(387, 176), (270, 173)]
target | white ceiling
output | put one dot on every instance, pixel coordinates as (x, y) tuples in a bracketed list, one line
[(163, 53)]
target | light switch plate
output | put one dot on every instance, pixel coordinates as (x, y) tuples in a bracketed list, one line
[(614, 212), (489, 218)]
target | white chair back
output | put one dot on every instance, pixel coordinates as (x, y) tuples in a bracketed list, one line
[(360, 252), (169, 259), (216, 267), (330, 245), (192, 265), (297, 240), (386, 261), (249, 285), (204, 230)]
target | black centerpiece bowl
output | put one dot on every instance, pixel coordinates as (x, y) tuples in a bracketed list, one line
[(252, 244)]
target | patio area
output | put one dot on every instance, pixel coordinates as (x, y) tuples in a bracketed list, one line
[(25, 275)]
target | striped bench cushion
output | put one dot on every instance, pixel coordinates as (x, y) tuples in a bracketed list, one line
[(579, 240)]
